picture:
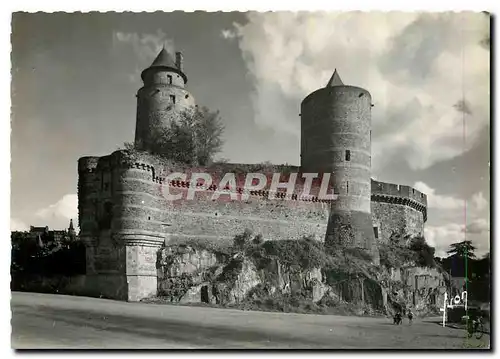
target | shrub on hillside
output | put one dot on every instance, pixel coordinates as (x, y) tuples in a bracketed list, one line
[(424, 252), (418, 251), (305, 253)]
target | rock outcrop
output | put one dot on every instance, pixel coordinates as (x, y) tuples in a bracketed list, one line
[(190, 275)]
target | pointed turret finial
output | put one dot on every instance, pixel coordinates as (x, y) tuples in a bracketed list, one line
[(71, 225), (335, 80)]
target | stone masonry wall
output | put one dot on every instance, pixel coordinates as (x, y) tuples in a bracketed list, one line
[(140, 206), (159, 102), (124, 217), (397, 211), (396, 219), (140, 210), (336, 137)]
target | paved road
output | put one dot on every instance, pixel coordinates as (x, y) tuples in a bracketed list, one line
[(41, 321)]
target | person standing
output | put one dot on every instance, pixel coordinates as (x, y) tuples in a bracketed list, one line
[(410, 316)]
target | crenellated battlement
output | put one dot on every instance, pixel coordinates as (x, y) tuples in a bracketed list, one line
[(398, 194), (241, 190), (117, 160)]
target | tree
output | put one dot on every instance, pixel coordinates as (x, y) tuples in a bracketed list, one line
[(463, 250), (208, 131), (194, 137)]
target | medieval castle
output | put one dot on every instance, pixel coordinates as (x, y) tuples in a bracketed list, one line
[(124, 219)]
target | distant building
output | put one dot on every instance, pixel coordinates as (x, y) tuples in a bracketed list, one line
[(43, 235)]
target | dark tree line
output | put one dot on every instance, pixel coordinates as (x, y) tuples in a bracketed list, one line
[(49, 258), (463, 262)]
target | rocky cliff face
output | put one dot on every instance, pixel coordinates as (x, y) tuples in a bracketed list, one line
[(267, 275), (421, 288)]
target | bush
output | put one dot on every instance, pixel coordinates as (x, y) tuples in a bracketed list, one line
[(304, 253), (241, 241), (424, 252), (394, 256), (258, 240), (418, 251), (194, 138)]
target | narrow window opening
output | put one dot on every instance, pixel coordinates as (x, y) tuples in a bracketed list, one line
[(187, 96), (149, 218), (347, 183), (172, 99), (347, 155), (169, 79), (375, 232)]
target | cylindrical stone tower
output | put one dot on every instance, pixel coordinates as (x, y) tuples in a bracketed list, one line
[(336, 138), (162, 98)]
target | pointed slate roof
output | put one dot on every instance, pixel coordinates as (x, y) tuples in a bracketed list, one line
[(335, 80), (165, 60)]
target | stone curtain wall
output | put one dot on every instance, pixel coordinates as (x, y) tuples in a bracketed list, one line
[(123, 215), (141, 210)]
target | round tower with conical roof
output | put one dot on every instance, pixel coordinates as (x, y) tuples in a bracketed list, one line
[(336, 138), (162, 98)]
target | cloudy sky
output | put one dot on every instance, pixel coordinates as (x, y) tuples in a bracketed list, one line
[(75, 76)]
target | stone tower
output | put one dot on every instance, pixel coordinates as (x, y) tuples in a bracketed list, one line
[(71, 230), (336, 138), (162, 98)]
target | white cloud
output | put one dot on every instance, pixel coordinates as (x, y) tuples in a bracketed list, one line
[(416, 66), (478, 226), (441, 237), (145, 47), (436, 201), (58, 215), (18, 225), (479, 201), (439, 201)]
